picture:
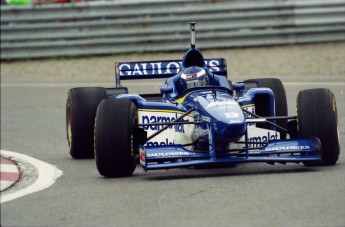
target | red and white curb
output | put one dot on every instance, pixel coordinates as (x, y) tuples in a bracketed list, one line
[(9, 173), (47, 175)]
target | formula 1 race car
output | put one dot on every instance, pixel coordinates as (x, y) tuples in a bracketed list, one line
[(200, 118)]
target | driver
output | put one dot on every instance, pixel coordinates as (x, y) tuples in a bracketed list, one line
[(192, 77)]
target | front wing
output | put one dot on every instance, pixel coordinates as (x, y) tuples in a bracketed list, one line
[(281, 151)]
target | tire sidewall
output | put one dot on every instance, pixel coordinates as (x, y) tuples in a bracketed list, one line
[(317, 117), (114, 143), (81, 109)]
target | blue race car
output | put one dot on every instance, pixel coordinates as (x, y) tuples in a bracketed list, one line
[(200, 118)]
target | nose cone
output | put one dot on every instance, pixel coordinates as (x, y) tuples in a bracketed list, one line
[(230, 121), (231, 131)]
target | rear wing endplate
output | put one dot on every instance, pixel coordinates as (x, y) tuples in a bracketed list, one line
[(161, 69)]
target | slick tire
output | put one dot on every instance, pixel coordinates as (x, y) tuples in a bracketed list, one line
[(114, 143), (317, 117), (81, 109), (279, 97)]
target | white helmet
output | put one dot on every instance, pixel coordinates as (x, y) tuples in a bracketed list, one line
[(193, 77)]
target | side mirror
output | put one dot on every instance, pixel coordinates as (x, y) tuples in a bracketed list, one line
[(166, 90), (238, 86)]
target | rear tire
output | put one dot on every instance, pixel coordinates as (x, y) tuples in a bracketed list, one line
[(317, 117), (279, 98), (81, 109), (114, 143)]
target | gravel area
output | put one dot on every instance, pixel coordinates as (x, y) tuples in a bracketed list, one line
[(313, 62)]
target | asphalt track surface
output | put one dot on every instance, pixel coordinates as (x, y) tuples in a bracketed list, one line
[(33, 96)]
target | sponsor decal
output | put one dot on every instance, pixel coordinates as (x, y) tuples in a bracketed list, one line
[(147, 119), (192, 76), (149, 68), (164, 67), (287, 148), (167, 154), (231, 115), (235, 121), (256, 140), (256, 136), (205, 118), (174, 134), (260, 135), (142, 156), (160, 143)]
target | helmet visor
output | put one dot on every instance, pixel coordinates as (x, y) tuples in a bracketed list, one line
[(195, 83)]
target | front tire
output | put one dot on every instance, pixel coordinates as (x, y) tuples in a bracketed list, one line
[(317, 117), (114, 143), (81, 109)]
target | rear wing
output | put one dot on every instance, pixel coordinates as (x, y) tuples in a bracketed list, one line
[(161, 69)]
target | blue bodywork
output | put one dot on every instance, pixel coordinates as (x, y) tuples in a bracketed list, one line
[(214, 116)]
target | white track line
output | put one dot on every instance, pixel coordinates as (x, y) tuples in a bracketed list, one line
[(47, 175)]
